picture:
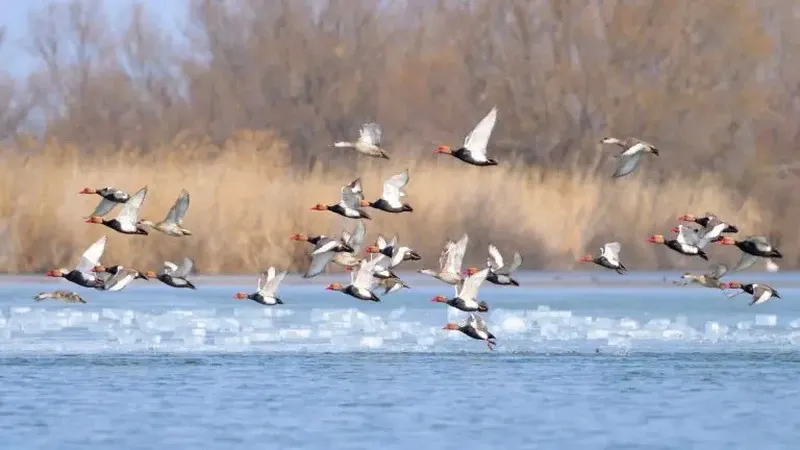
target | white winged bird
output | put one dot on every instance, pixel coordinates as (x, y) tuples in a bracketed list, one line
[(699, 238), (368, 143), (383, 274), (361, 282), (119, 278), (111, 197), (608, 258), (82, 273), (392, 193), (450, 262), (172, 225), (393, 251), (476, 328), (684, 244), (326, 250), (350, 204), (760, 292), (268, 283), (712, 226), (499, 271), (127, 221), (466, 298), (752, 247), (475, 144), (173, 275), (631, 154)]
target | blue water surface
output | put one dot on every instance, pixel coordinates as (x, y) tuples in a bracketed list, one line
[(595, 363)]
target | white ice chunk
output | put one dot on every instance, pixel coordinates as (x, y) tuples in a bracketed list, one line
[(371, 342), (766, 320), (513, 324)]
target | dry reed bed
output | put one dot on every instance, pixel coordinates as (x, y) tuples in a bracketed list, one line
[(247, 200)]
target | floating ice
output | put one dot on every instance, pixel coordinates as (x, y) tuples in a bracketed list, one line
[(237, 329), (766, 320)]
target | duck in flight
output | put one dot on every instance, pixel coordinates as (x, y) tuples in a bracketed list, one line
[(474, 149)]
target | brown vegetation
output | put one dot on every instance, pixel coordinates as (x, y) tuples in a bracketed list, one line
[(715, 87)]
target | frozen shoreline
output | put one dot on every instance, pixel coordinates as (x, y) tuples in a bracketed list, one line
[(526, 278)]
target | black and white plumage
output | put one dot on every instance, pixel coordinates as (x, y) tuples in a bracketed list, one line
[(608, 258), (466, 298), (82, 274), (111, 197), (753, 248), (396, 253), (173, 275), (678, 246), (761, 292), (476, 328), (474, 149), (392, 195), (127, 221), (116, 278), (350, 203), (341, 251), (499, 271), (361, 282), (713, 227), (267, 288)]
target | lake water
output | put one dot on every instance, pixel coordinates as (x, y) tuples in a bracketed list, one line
[(583, 361)]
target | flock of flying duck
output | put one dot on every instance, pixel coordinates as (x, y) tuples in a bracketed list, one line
[(375, 268)]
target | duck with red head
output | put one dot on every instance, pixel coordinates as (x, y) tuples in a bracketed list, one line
[(327, 250), (350, 204), (111, 197), (117, 277), (267, 288), (753, 248), (754, 245), (461, 304), (499, 271), (323, 243), (362, 282), (109, 193), (476, 328), (709, 222), (466, 297), (392, 192), (75, 276), (712, 227), (475, 144), (127, 221), (608, 258), (82, 273), (761, 292), (674, 244), (173, 275), (396, 253), (352, 291)]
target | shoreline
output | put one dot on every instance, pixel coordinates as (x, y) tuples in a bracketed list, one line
[(528, 279)]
